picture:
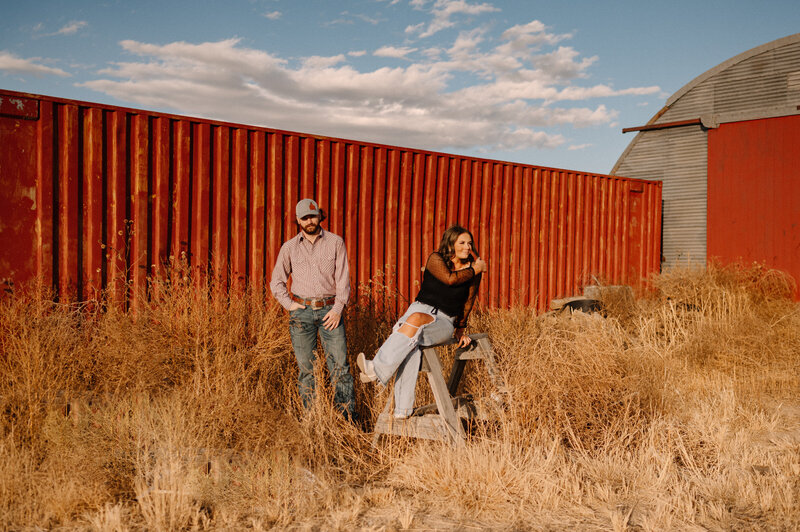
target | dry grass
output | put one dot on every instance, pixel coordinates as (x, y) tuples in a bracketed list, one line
[(674, 411)]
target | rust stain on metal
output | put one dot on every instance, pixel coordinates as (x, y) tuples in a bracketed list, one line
[(19, 107)]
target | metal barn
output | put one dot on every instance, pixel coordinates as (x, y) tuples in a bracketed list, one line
[(727, 148)]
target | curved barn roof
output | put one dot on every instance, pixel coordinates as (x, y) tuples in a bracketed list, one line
[(763, 82), (696, 83)]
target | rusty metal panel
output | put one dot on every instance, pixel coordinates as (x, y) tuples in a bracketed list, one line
[(117, 194), (181, 175), (368, 224), (274, 204), (754, 193), (378, 208), (391, 256), (238, 216), (350, 232), (116, 206), (140, 224), (220, 209), (506, 233), (159, 230), (428, 208), (403, 281), (42, 181), (256, 267), (21, 230), (200, 206)]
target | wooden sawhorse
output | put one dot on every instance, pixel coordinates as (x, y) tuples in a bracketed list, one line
[(442, 420)]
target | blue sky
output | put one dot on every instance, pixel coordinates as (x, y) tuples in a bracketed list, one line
[(545, 83)]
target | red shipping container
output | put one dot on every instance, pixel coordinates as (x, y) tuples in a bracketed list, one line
[(96, 197)]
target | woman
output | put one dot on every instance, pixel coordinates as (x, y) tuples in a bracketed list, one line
[(449, 286)]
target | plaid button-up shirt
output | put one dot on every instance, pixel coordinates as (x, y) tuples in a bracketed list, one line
[(319, 270)]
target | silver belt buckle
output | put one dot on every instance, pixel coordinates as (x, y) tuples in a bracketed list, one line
[(317, 304)]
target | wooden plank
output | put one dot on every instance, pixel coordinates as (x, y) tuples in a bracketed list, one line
[(377, 429), (426, 427), (474, 351), (466, 408), (441, 394), (491, 366), (455, 375)]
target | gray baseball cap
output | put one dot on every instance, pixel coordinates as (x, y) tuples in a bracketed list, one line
[(306, 207)]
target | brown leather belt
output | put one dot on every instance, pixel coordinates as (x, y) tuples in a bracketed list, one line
[(314, 303)]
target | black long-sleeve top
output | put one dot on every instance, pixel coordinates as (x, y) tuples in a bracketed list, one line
[(451, 291)]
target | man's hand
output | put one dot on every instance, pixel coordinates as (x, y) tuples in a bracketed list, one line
[(331, 320), (463, 339), (295, 305)]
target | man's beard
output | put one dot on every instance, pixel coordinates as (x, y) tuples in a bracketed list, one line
[(311, 229)]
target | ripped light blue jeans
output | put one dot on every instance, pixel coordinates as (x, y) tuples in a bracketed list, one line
[(401, 356)]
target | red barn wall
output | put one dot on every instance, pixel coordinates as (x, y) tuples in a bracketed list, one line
[(754, 193)]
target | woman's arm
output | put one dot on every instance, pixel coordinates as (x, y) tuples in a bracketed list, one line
[(438, 268), (461, 321)]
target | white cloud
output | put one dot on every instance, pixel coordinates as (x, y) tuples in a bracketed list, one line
[(357, 53), (319, 62), (11, 63), (473, 93), (602, 91), (575, 147), (414, 27), (348, 18), (392, 51), (72, 27), (443, 12), (533, 33), (369, 20), (273, 15)]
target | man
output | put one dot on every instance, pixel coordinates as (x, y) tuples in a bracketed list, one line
[(317, 261)]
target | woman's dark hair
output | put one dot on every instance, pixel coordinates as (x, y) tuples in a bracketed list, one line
[(447, 247)]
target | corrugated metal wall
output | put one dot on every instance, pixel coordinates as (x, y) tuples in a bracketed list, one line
[(118, 193), (759, 83), (678, 158)]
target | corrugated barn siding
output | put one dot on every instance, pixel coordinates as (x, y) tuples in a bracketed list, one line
[(678, 157), (119, 193), (760, 83)]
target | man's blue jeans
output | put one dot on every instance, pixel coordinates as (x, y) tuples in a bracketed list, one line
[(304, 324)]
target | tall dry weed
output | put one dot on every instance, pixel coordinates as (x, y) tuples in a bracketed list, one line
[(677, 410)]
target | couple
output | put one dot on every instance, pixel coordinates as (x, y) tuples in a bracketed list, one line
[(317, 262)]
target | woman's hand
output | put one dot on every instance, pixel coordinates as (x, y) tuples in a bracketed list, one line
[(479, 265), (463, 340)]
